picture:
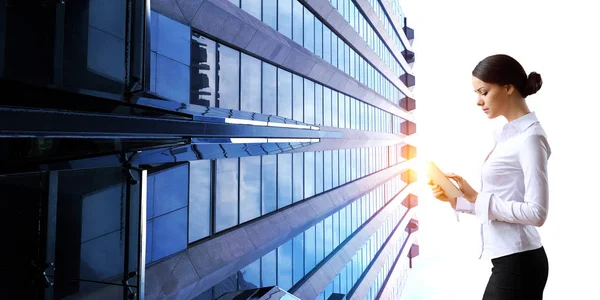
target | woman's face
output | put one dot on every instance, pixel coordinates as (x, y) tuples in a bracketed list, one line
[(492, 98)]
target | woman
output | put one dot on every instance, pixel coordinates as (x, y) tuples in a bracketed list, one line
[(514, 192)]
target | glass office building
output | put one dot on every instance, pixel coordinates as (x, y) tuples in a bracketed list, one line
[(172, 149)]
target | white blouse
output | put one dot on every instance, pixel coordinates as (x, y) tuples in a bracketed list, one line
[(514, 191)]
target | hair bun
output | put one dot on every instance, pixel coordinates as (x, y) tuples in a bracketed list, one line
[(532, 84)]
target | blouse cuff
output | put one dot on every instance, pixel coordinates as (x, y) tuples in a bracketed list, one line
[(482, 207)]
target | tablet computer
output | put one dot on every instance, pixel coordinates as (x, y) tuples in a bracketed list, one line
[(437, 176)]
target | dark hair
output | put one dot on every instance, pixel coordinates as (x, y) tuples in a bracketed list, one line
[(502, 69)]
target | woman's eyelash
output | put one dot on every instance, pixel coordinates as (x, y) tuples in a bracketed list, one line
[(484, 94)]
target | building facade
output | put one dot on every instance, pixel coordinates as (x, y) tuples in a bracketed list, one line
[(173, 149)]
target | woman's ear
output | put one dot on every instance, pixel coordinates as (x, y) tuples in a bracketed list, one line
[(509, 88)]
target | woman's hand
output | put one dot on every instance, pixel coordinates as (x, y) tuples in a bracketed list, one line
[(439, 194), (464, 186)]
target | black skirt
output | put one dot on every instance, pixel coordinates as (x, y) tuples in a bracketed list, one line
[(518, 276)]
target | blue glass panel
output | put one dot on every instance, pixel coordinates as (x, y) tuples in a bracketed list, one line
[(298, 257), (343, 281), (173, 40), (284, 93), (309, 174), (284, 180), (269, 183), (269, 89), (342, 157), (328, 230), (298, 179), (250, 83), (298, 19), (326, 106), (309, 101), (318, 104), (269, 13), (102, 257), (153, 30), (341, 53), (253, 7), (318, 38), (250, 185), (343, 232), (106, 54), (334, 49), (336, 230), (170, 189), (298, 90), (319, 172), (204, 80), (101, 212), (327, 171), (249, 277), (269, 269), (334, 108), (236, 2), (200, 204), (335, 165), (342, 111), (153, 63), (309, 249), (329, 290), (229, 81), (226, 206), (149, 240), (172, 79), (284, 266), (349, 112), (309, 30), (319, 245), (326, 44), (284, 21), (170, 234)]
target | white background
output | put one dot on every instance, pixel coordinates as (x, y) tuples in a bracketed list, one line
[(558, 39)]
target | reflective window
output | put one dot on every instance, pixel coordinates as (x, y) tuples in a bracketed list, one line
[(335, 168), (298, 19), (250, 201), (342, 157), (269, 183), (298, 257), (343, 231), (249, 277), (199, 202), (309, 102), (341, 54), (334, 49), (269, 13), (334, 108), (284, 93), (336, 230), (203, 75), (251, 84), (236, 2), (309, 249), (309, 30), (252, 7), (284, 265), (327, 44), (328, 169), (328, 231), (298, 101), (318, 104), (342, 110), (269, 269), (319, 172), (226, 198), (172, 79), (326, 106), (347, 164), (169, 233), (269, 89), (298, 179), (284, 180), (318, 38), (309, 174), (284, 21), (173, 39), (229, 81)]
